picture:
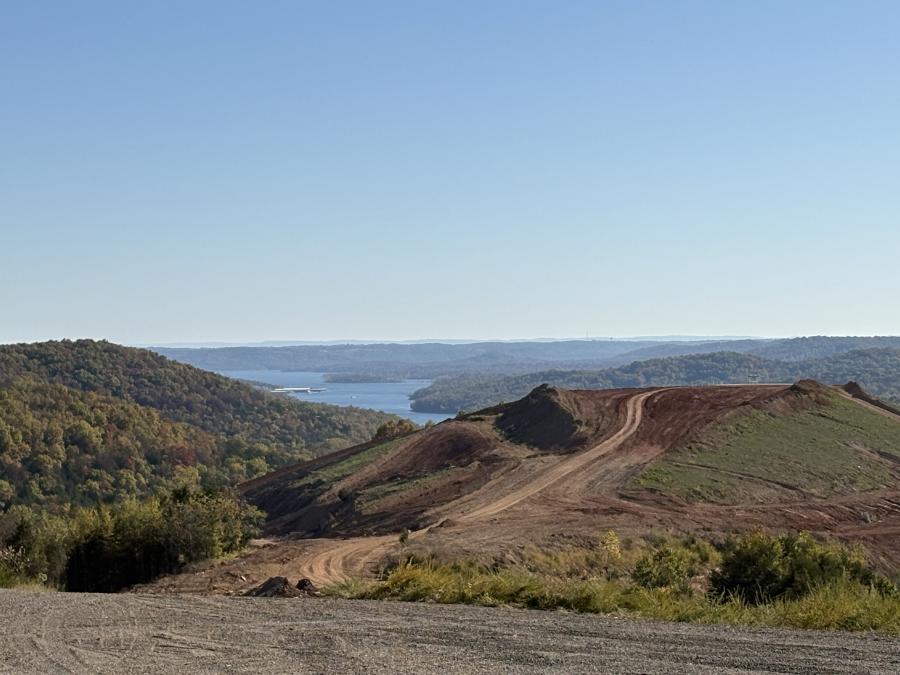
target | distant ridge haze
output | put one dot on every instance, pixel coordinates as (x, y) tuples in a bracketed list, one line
[(460, 341), (428, 360)]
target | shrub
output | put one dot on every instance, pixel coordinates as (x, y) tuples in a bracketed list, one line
[(43, 540), (134, 542), (556, 580), (611, 547), (13, 567), (669, 565), (759, 568), (394, 429)]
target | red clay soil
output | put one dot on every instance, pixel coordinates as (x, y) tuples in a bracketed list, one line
[(551, 467), (452, 444), (559, 420), (677, 414)]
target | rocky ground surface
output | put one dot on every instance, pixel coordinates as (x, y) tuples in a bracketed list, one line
[(83, 633)]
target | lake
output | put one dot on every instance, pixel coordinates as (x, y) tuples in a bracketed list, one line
[(390, 397)]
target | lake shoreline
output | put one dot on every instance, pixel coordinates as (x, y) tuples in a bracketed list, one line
[(392, 397)]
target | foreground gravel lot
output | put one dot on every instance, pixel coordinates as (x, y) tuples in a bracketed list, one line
[(58, 632)]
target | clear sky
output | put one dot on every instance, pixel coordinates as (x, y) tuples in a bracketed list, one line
[(238, 171)]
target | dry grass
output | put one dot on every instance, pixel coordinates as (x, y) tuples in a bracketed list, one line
[(585, 580)]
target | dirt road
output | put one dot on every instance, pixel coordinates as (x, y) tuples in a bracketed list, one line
[(633, 415), (78, 633), (337, 560)]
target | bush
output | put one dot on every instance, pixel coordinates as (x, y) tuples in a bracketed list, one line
[(135, 542), (43, 540), (759, 568), (394, 429), (13, 567), (667, 566)]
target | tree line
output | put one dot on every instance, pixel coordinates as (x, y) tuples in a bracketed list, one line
[(878, 370)]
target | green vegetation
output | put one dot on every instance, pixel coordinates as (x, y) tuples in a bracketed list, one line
[(878, 370), (136, 542), (59, 446), (14, 572), (667, 566), (366, 498), (110, 547), (760, 568), (835, 448), (394, 429), (87, 422), (332, 473), (115, 463), (823, 586)]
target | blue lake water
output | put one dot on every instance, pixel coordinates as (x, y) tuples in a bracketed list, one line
[(390, 397)]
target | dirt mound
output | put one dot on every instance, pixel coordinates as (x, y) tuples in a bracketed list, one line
[(856, 391), (280, 587), (559, 420), (540, 420), (808, 392)]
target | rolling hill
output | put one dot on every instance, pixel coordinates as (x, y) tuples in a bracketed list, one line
[(85, 421), (562, 465), (877, 369)]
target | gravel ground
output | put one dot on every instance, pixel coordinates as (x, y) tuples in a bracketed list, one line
[(69, 632)]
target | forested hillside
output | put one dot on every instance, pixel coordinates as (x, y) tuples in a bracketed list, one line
[(84, 422), (878, 370), (819, 346)]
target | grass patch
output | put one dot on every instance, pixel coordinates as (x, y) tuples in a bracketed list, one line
[(833, 449), (334, 472), (594, 581), (366, 498)]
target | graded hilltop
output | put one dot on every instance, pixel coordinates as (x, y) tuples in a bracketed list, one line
[(564, 464)]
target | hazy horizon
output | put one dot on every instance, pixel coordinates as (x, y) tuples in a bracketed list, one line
[(439, 340)]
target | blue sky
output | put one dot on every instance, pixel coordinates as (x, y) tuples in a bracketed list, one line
[(246, 171)]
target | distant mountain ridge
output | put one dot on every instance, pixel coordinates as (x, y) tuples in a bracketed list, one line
[(392, 361), (878, 370)]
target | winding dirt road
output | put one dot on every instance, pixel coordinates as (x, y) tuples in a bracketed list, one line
[(634, 414), (342, 559)]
